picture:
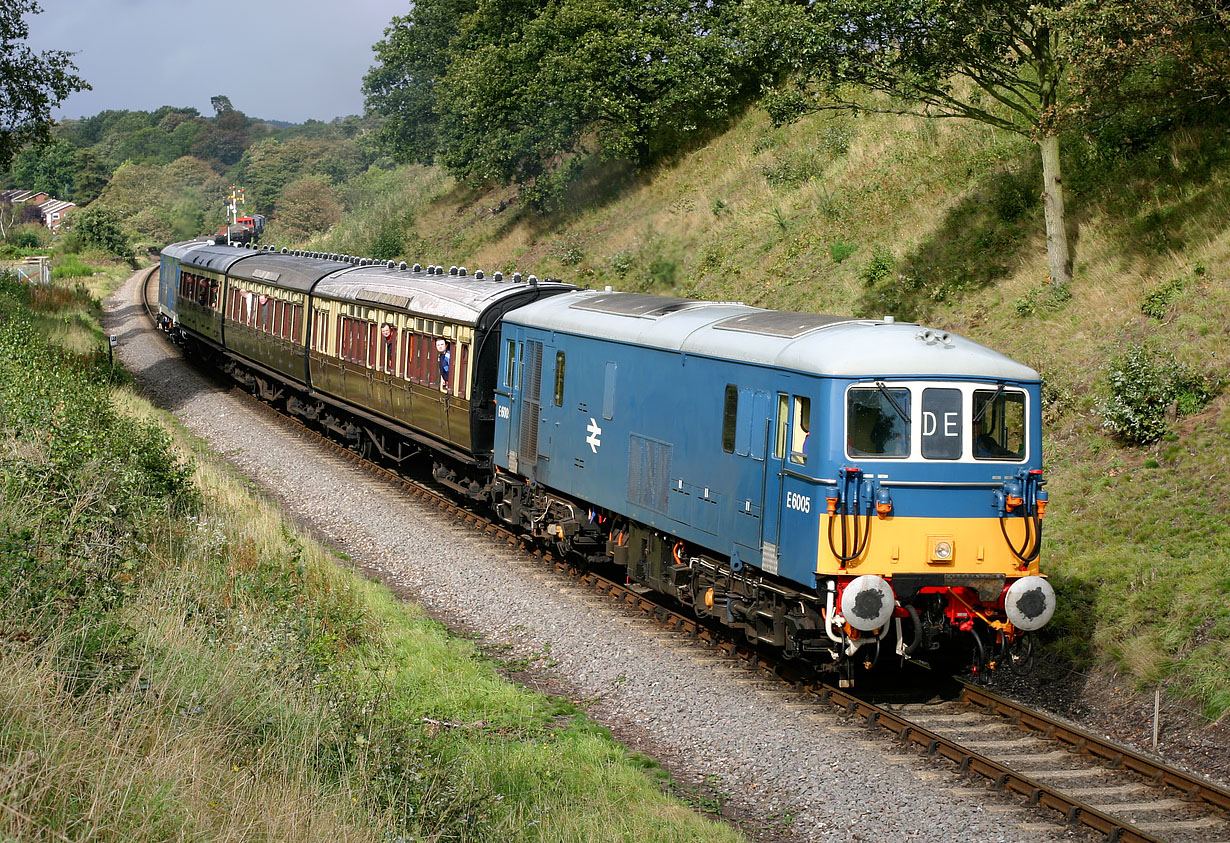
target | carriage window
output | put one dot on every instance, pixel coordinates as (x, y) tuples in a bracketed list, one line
[(999, 425), (463, 370), (559, 379), (878, 422), (730, 414), (388, 347), (800, 441)]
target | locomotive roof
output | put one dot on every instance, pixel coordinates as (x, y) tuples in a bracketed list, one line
[(814, 343), (456, 298)]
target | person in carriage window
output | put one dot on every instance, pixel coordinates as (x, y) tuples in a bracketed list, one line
[(388, 334), (444, 353)]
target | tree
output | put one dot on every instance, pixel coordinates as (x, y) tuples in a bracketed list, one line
[(1157, 55), (50, 168), (992, 61), (221, 104), (526, 89), (412, 58), (31, 84), (102, 228), (306, 207)]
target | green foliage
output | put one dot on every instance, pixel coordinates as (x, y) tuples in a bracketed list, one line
[(880, 266), (70, 266), (307, 207), (517, 94), (50, 168), (1044, 298), (1158, 301), (100, 227), (1147, 388), (389, 241), (839, 250), (31, 84), (85, 472)]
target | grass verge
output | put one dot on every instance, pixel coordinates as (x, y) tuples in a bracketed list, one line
[(180, 664)]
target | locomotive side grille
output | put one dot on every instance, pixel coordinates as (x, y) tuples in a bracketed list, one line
[(530, 394), (649, 471)]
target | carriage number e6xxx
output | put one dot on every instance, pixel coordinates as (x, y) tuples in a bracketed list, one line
[(795, 501)]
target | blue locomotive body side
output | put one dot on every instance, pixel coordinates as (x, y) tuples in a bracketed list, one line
[(639, 431)]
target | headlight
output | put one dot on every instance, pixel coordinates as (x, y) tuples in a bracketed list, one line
[(867, 602), (1029, 603)]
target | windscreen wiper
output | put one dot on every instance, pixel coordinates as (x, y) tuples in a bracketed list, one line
[(982, 411), (891, 400)]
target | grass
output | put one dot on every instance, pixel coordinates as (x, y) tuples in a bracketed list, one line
[(939, 221), (181, 664)]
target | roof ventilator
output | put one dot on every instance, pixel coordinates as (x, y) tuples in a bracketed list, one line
[(516, 278), (499, 276), (461, 271), (478, 274)]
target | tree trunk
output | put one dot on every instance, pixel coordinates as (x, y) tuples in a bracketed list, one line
[(1052, 204)]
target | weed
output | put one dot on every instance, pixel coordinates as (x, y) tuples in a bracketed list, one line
[(1044, 298), (880, 266), (1159, 300), (718, 206), (567, 250), (1149, 388), (621, 262), (779, 217), (839, 250)]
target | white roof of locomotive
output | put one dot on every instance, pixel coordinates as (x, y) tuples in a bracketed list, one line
[(813, 343)]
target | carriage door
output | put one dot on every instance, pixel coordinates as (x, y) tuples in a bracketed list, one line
[(526, 411)]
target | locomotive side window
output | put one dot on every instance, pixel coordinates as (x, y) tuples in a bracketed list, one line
[(783, 426), (878, 422), (999, 425), (559, 379), (730, 413), (510, 370), (801, 430)]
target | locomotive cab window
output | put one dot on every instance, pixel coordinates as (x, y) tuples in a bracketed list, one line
[(510, 369), (999, 425), (878, 422)]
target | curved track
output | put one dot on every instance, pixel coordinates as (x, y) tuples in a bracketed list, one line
[(1092, 782)]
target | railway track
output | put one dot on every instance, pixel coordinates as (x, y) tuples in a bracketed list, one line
[(1045, 763)]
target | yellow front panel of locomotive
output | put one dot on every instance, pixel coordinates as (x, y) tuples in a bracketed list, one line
[(928, 545)]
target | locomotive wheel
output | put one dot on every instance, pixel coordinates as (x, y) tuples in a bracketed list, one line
[(1019, 654), (978, 659)]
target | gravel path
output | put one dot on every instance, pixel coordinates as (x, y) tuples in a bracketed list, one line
[(786, 768)]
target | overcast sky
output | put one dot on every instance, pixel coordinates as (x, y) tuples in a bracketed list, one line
[(288, 60)]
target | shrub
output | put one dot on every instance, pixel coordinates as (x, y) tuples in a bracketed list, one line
[(1147, 388), (880, 266), (100, 227), (1158, 301), (839, 250)]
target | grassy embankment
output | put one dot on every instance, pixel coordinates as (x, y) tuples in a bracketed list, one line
[(180, 664), (940, 221)]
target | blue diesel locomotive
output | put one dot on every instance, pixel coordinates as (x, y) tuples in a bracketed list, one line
[(832, 487)]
